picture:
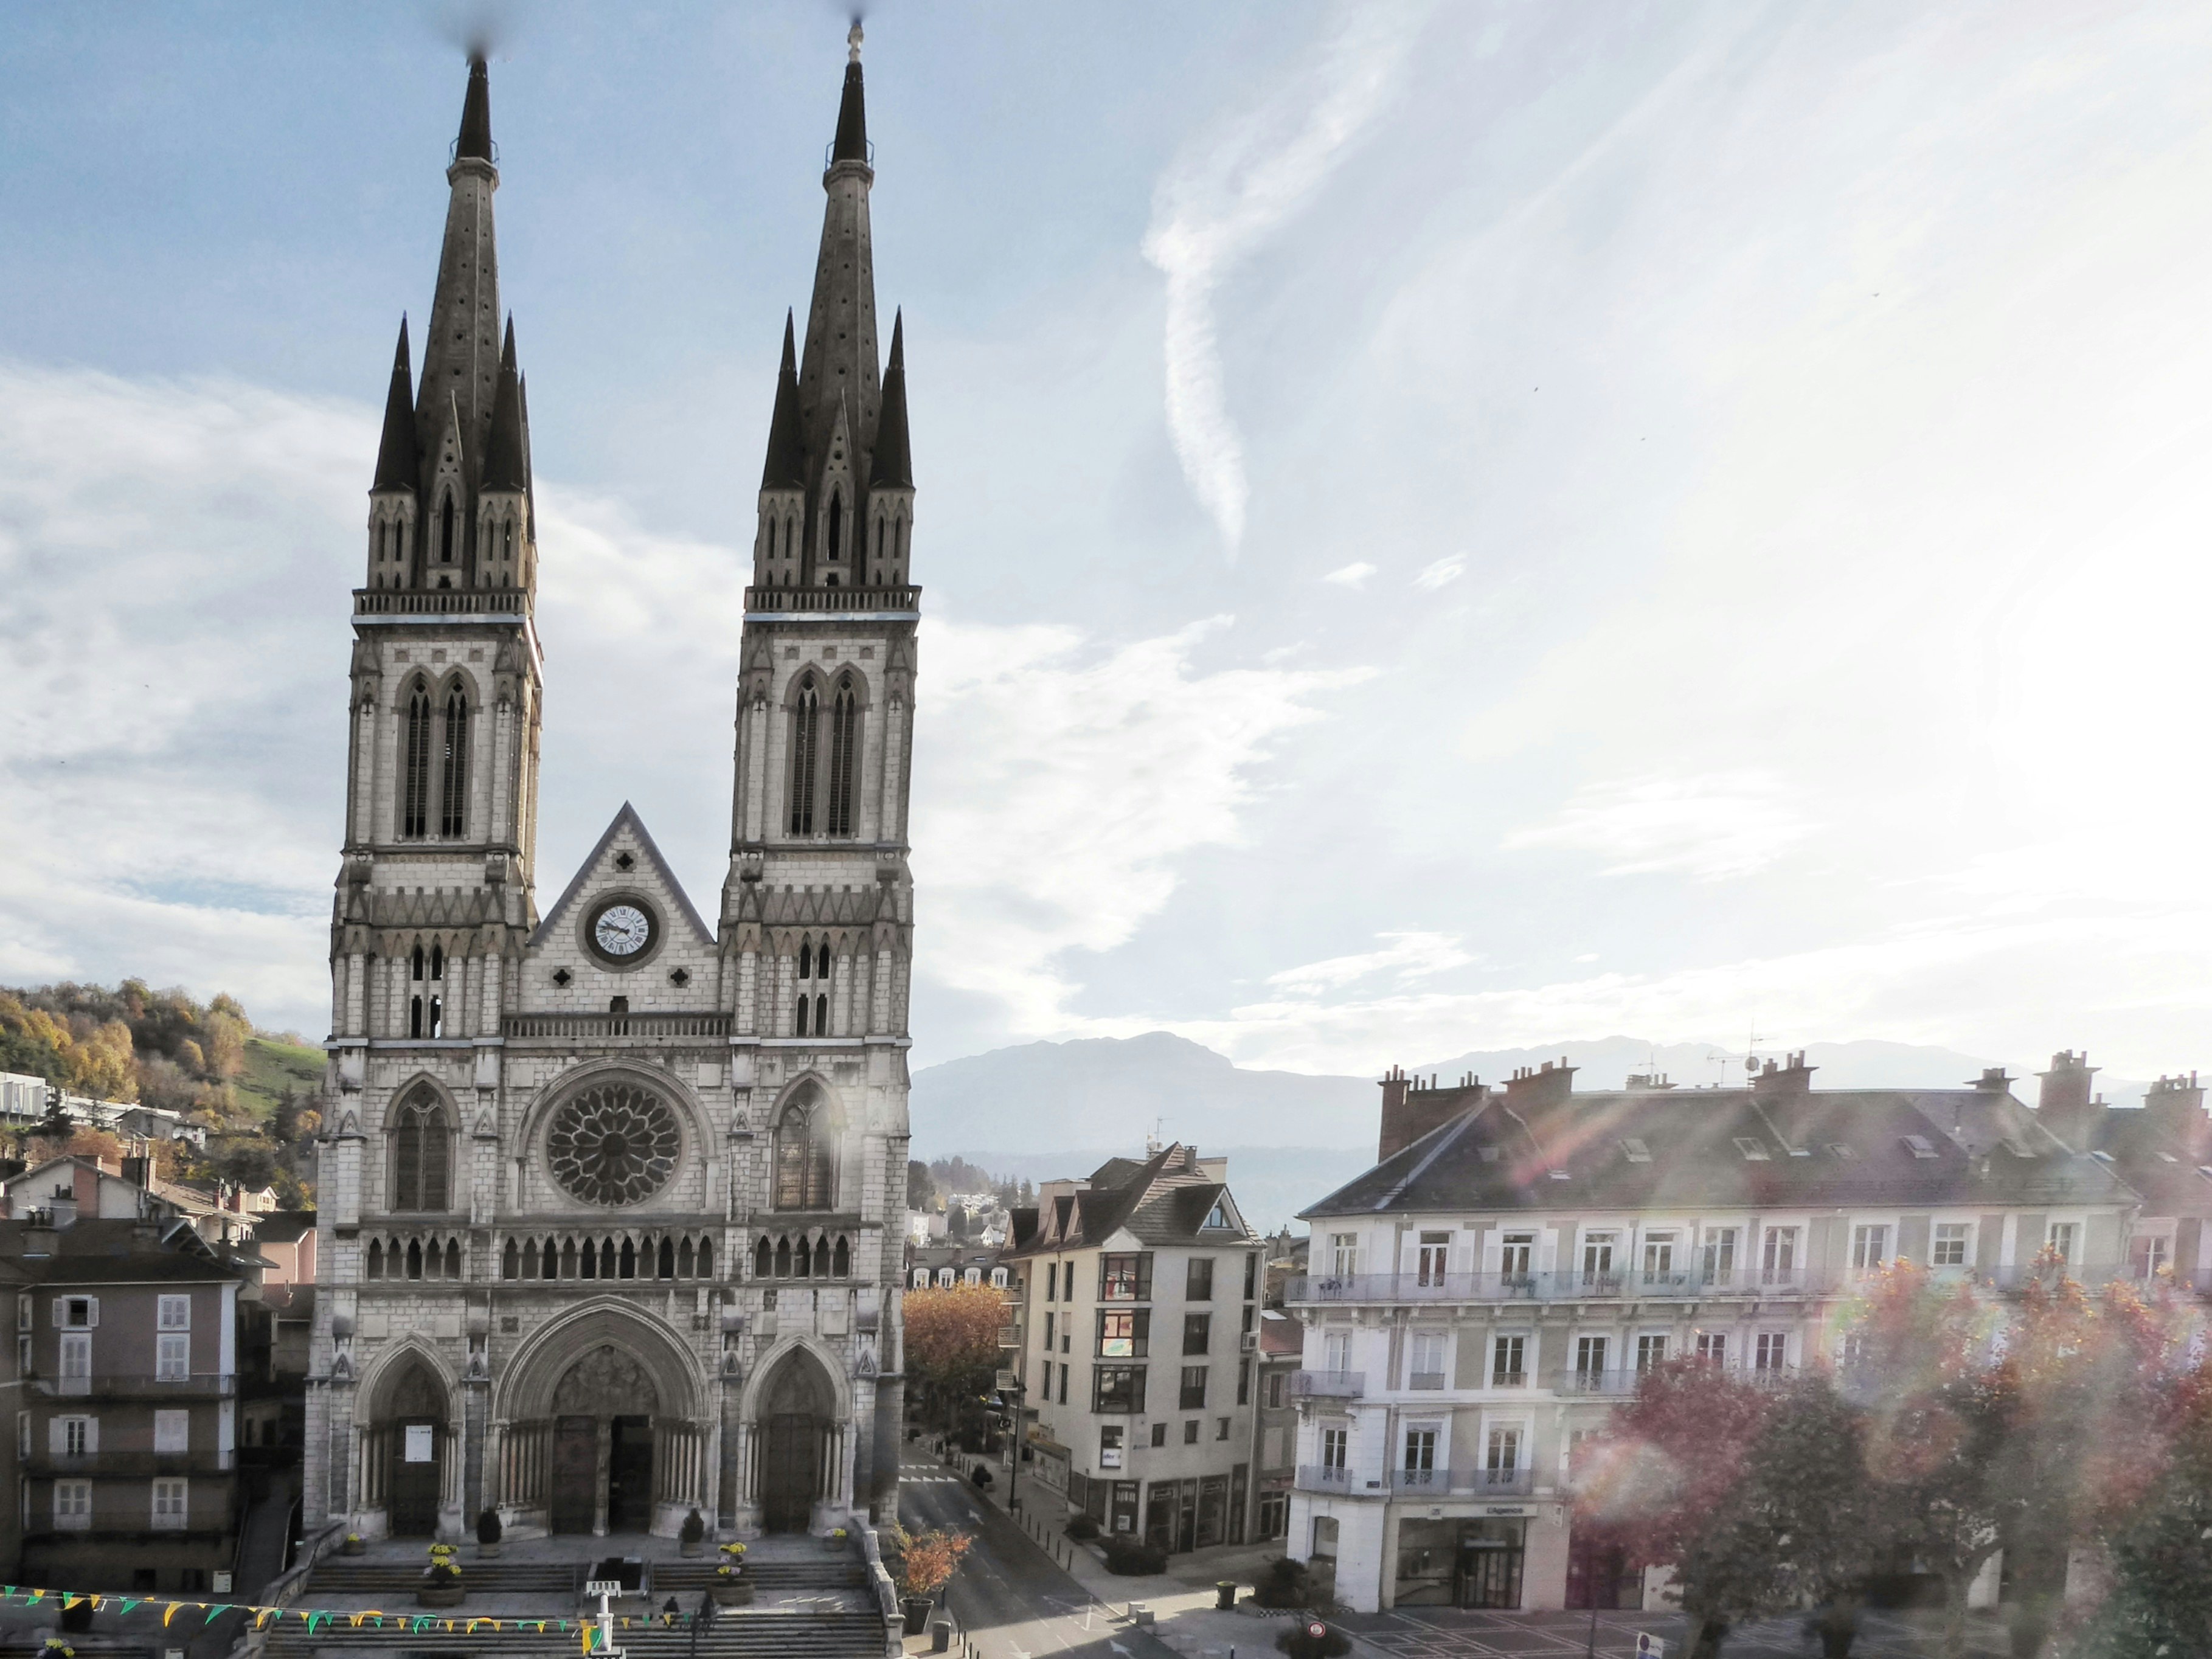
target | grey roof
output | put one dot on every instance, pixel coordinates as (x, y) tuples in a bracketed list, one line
[(1166, 1199), (104, 1250), (1821, 1148), (785, 467), (282, 1226), (852, 140)]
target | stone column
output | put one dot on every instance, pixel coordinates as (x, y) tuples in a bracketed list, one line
[(602, 1468)]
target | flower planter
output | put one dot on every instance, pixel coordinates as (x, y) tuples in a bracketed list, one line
[(354, 1546), (437, 1596), (733, 1593), (916, 1608), (489, 1552), (691, 1548)]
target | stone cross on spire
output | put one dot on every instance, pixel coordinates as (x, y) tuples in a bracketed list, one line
[(852, 38)]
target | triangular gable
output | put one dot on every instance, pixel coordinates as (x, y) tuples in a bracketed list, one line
[(598, 856)]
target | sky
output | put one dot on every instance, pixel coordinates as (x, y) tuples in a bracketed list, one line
[(1441, 526)]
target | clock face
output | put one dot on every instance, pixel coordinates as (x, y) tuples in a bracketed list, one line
[(622, 930)]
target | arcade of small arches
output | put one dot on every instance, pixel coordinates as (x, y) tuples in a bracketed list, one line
[(601, 1426), (666, 1256), (689, 1255)]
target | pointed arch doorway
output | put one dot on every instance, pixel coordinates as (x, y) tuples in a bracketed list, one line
[(797, 1419), (602, 1413), (409, 1450)]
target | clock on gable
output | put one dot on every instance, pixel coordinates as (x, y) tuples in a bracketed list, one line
[(623, 931)]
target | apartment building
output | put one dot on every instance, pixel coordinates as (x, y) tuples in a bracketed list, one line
[(126, 1333), (1141, 1343), (1479, 1302), (1275, 1423)]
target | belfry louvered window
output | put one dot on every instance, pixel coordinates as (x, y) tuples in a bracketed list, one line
[(844, 742), (415, 779), (806, 743), (834, 543), (454, 787)]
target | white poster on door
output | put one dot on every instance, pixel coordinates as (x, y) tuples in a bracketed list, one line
[(418, 1443)]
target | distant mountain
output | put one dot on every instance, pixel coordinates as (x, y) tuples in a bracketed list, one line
[(1061, 1108)]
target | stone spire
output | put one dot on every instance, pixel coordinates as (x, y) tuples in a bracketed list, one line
[(838, 370), (460, 347), (507, 459), (399, 459), (786, 468), (893, 465)]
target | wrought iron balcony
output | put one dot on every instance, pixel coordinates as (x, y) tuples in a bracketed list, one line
[(1328, 1385), (1320, 1477), (1565, 1285)]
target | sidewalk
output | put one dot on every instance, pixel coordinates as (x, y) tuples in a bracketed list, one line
[(1182, 1601)]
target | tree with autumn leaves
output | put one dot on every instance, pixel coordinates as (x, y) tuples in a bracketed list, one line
[(1964, 1426), (952, 1345)]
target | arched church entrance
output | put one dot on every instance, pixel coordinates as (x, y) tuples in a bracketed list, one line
[(602, 1413), (598, 1427), (405, 1451), (798, 1418)]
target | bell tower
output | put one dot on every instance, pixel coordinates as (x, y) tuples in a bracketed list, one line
[(435, 900), (818, 910)]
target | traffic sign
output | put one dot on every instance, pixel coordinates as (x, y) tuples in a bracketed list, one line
[(1649, 1646)]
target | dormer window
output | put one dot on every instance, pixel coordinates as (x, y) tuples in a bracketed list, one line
[(1633, 1148), (1753, 1150), (1919, 1145)]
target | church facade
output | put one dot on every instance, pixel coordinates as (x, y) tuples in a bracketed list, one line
[(612, 1196)]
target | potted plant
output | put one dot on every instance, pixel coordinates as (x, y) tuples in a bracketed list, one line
[(442, 1581), (928, 1561), (354, 1545), (730, 1589), (835, 1539), (692, 1535), (488, 1535)]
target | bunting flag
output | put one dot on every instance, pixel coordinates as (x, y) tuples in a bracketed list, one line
[(315, 1619)]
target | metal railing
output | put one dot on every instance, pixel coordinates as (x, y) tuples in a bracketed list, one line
[(1320, 1477), (94, 1465), (442, 601), (137, 1385), (1567, 1284), (1424, 1379), (1617, 1380), (1329, 1385)]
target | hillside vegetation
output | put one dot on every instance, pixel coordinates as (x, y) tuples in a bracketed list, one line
[(254, 1092)]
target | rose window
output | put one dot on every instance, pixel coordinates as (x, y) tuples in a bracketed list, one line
[(615, 1144)]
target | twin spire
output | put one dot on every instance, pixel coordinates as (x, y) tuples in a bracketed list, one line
[(837, 436)]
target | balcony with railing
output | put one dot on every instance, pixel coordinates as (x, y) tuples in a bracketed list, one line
[(1463, 1483), (1322, 1477), (1617, 1381), (133, 1465), (560, 1028), (138, 1385), (1567, 1284), (783, 600), (1328, 1385), (427, 604)]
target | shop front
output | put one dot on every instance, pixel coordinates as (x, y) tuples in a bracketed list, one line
[(1461, 1563)]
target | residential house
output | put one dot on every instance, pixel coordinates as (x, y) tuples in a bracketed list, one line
[(66, 1189), (1480, 1300), (1275, 1423), (1142, 1287), (127, 1345)]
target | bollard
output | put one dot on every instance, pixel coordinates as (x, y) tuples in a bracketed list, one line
[(1225, 1595), (940, 1636)]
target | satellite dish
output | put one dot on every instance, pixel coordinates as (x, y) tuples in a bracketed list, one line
[(1751, 1062)]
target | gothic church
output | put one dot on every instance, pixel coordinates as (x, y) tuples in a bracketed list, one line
[(613, 1198)]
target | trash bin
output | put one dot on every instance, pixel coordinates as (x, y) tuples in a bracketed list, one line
[(1224, 1592), (940, 1636)]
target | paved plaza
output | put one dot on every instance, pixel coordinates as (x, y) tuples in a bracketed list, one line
[(1447, 1633)]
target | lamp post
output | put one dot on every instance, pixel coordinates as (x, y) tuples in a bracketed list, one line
[(1014, 1452)]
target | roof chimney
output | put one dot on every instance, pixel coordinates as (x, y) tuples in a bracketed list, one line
[(1534, 1088), (1791, 1081), (1413, 1106), (2178, 1104), (2063, 1105)]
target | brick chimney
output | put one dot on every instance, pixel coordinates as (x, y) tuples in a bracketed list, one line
[(1533, 1088), (1412, 1107), (1790, 1080), (2064, 1105), (2179, 1105)]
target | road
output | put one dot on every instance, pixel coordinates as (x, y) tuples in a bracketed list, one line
[(1009, 1599)]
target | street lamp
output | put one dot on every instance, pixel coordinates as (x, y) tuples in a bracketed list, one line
[(1014, 1449)]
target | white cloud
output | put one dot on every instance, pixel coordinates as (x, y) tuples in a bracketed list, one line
[(1412, 955), (1224, 195), (1351, 575), (1433, 576), (1066, 780), (1708, 827)]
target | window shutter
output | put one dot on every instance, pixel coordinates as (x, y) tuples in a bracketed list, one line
[(1492, 1250), (92, 1434), (57, 1435), (1548, 1251)]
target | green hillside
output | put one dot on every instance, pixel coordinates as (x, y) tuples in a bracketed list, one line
[(272, 1066)]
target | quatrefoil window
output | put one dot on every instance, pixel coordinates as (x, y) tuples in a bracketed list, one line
[(614, 1144)]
